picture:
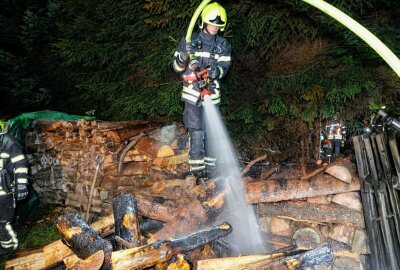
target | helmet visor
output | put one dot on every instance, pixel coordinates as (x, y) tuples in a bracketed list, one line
[(217, 20)]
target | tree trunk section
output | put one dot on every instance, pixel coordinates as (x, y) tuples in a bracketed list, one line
[(283, 189)]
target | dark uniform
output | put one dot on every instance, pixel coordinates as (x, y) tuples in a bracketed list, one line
[(210, 51), (13, 186)]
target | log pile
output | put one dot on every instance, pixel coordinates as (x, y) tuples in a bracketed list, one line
[(68, 158), (136, 155), (320, 207)]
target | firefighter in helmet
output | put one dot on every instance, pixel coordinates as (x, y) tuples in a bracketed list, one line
[(208, 54), (13, 186)]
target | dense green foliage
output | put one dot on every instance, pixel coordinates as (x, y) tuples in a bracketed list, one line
[(292, 65)]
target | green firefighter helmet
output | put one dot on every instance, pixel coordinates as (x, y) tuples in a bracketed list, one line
[(214, 14)]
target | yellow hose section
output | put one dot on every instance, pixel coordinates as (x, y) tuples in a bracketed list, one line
[(194, 19), (387, 55)]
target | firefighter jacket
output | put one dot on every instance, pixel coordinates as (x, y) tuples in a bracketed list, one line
[(335, 129), (13, 165), (209, 50)]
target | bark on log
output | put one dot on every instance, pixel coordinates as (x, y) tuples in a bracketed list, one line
[(303, 211), (283, 189), (146, 256), (118, 124), (187, 220), (83, 240), (152, 148), (126, 219), (155, 210)]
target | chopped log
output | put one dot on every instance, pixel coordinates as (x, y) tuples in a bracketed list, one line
[(48, 256), (282, 189), (84, 241), (281, 260), (161, 251), (343, 171), (351, 200), (171, 161), (314, 213), (153, 149), (119, 135), (126, 219)]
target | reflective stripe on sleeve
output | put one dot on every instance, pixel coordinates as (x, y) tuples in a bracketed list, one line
[(4, 155), (17, 158), (224, 59), (21, 170)]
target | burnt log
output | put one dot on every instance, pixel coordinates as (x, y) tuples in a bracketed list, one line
[(289, 189), (126, 220), (50, 255), (161, 251), (82, 239)]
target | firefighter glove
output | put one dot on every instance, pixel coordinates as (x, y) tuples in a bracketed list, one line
[(213, 72), (204, 93), (22, 192), (184, 55)]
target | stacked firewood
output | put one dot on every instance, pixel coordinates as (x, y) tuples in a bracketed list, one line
[(85, 165), (322, 206), (128, 156)]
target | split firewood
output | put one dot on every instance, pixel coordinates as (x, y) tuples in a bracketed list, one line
[(126, 219), (289, 189), (313, 213), (343, 171), (149, 255), (152, 148), (82, 239), (297, 259)]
